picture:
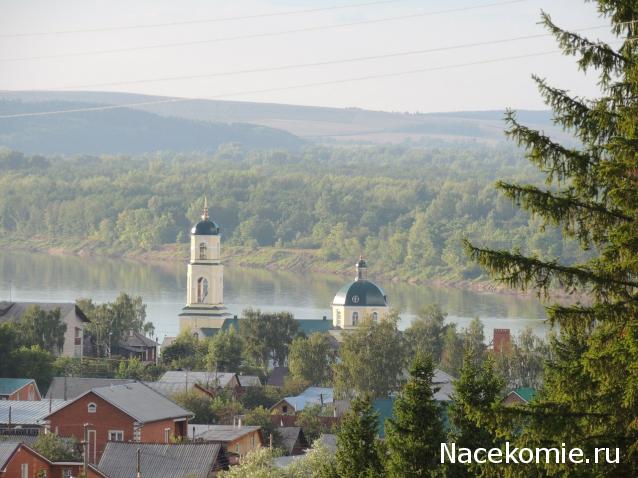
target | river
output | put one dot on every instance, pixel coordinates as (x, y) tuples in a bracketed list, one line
[(46, 278)]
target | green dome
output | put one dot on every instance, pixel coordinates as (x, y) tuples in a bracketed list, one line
[(205, 227), (361, 293)]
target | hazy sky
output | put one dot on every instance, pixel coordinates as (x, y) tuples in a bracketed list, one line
[(486, 86)]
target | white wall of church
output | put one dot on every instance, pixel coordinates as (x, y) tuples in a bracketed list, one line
[(344, 316), (205, 248)]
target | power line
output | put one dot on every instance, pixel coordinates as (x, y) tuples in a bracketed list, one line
[(318, 63), (263, 35), (198, 21), (277, 89)]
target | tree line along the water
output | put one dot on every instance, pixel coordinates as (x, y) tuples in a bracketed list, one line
[(407, 208)]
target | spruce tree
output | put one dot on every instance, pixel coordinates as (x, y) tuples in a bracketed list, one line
[(415, 434), (471, 413), (590, 396), (357, 444)]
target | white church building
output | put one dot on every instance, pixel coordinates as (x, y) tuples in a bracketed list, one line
[(205, 282)]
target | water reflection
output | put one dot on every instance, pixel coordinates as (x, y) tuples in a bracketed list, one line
[(40, 277)]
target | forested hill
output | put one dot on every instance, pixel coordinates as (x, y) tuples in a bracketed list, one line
[(320, 125), (124, 131), (405, 209)]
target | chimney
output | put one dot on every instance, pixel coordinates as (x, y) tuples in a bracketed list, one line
[(502, 340)]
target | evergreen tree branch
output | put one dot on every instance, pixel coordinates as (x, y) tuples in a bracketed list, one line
[(592, 54), (592, 121), (618, 311), (583, 219), (520, 272), (556, 160)]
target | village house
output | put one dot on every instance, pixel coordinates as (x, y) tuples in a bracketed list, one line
[(128, 412), (321, 396), (170, 389), (18, 460), (70, 314), (67, 388), (277, 377), (211, 381), (180, 460), (19, 389), (292, 440), (519, 396), (23, 420), (137, 345), (237, 439)]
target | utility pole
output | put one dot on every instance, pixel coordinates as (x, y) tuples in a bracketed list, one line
[(139, 468), (85, 450)]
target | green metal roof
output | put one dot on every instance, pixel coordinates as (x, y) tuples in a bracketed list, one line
[(308, 326), (362, 293), (205, 227), (384, 407), (526, 393), (10, 385)]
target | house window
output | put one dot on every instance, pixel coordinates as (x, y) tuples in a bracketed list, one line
[(116, 435), (24, 470), (67, 473), (202, 250), (355, 318), (167, 435), (375, 317), (252, 440), (202, 289), (237, 448), (91, 407)]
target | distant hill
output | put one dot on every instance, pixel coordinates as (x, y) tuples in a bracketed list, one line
[(318, 124), (124, 131)]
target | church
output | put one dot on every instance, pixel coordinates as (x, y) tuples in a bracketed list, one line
[(205, 280), (205, 313), (358, 299)]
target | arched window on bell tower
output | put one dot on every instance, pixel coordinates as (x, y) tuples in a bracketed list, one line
[(355, 318), (202, 250), (202, 289)]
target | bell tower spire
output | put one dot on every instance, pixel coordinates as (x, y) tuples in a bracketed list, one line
[(205, 216)]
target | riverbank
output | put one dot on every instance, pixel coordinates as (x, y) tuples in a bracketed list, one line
[(269, 258)]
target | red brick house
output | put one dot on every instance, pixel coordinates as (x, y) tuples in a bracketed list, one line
[(17, 460), (128, 412), (19, 389)]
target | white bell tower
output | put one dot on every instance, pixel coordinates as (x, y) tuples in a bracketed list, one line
[(205, 280)]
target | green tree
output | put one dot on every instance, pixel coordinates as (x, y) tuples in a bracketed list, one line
[(425, 333), (33, 362), (357, 443), (415, 434), (8, 343), (225, 351), (198, 403), (471, 413), (452, 353), (110, 322), (55, 448), (42, 328), (267, 336), (131, 368), (186, 351), (310, 420), (311, 359), (260, 416), (588, 399), (372, 359)]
